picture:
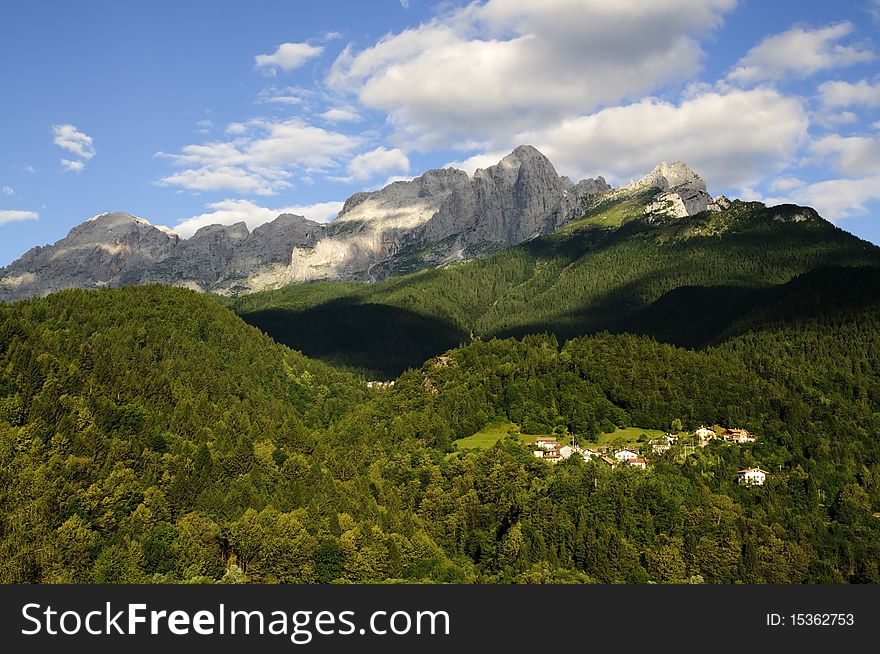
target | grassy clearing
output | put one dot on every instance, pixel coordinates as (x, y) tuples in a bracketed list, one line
[(629, 435), (614, 211), (491, 434)]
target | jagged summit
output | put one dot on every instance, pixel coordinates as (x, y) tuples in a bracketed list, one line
[(440, 217), (684, 191), (666, 176)]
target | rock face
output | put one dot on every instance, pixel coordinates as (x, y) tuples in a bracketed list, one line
[(102, 251), (684, 192), (440, 217), (444, 216)]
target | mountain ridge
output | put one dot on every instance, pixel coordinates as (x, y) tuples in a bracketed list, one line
[(441, 217)]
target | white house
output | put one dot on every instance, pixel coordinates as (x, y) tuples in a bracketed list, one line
[(626, 455), (546, 442), (751, 477), (638, 462), (739, 436), (552, 455), (589, 454), (539, 454), (566, 451), (705, 434), (660, 445)]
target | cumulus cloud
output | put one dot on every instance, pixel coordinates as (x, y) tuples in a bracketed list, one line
[(7, 190), (498, 67), (733, 139), (851, 155), (799, 52), (229, 212), (341, 115), (261, 158), (288, 56), (483, 160), (837, 94), (836, 199), (68, 137), (12, 216), (786, 183), (73, 165), (381, 160)]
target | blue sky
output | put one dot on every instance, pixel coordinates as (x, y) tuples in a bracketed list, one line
[(191, 113)]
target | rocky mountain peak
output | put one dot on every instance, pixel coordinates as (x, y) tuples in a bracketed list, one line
[(437, 218), (684, 191), (236, 231), (666, 176)]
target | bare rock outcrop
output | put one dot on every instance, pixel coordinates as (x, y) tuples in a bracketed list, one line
[(684, 192)]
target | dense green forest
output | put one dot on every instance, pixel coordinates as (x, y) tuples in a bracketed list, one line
[(149, 435), (692, 281)]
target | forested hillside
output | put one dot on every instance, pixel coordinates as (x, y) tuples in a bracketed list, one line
[(685, 281), (148, 434)]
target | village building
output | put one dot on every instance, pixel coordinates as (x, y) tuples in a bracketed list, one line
[(751, 477), (704, 434), (589, 455), (638, 462), (660, 445), (546, 442), (552, 456), (611, 462), (626, 454), (738, 436)]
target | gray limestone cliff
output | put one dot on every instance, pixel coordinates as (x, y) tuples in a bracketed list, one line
[(440, 217), (684, 192), (99, 252)]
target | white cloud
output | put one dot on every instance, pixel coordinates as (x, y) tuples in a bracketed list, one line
[(289, 95), (11, 216), (341, 115), (786, 183), (72, 166), (71, 139), (288, 56), (229, 212), (368, 164), (799, 52), (494, 68), (261, 158), (393, 179), (836, 199), (837, 94), (484, 160), (7, 190), (219, 178), (732, 139), (851, 155)]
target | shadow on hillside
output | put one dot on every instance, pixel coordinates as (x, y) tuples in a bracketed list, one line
[(699, 316), (378, 340)]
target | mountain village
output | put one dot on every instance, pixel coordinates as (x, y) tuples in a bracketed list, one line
[(550, 450)]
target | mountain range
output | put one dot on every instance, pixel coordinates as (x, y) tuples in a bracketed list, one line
[(151, 434), (441, 217)]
